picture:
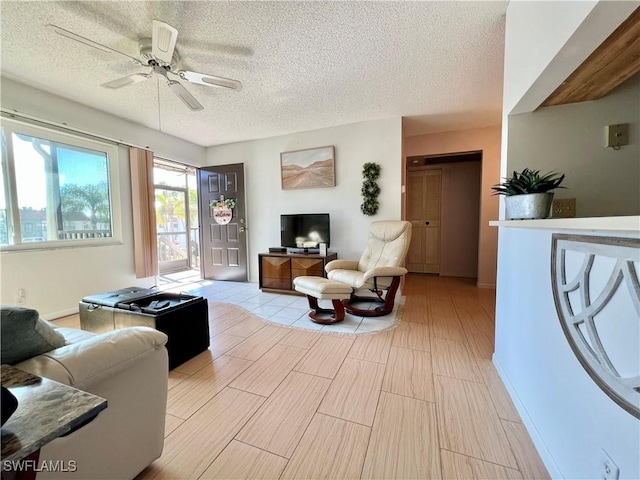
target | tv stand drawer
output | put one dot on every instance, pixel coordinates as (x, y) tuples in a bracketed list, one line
[(307, 266), (276, 267), (277, 270), (277, 283)]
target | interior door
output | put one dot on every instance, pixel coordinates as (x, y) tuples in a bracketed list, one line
[(423, 211), (224, 247)]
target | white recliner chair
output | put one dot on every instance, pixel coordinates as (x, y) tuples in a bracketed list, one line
[(379, 269)]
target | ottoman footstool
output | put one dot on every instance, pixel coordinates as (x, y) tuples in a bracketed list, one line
[(183, 318), (322, 288)]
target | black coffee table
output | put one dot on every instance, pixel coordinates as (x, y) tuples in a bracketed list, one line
[(184, 318)]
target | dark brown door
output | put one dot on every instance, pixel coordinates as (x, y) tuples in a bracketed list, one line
[(224, 247)]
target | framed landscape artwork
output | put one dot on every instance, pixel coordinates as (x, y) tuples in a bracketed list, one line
[(311, 168)]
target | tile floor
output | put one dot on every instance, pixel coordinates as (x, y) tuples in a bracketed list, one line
[(290, 310), (422, 400), (419, 401)]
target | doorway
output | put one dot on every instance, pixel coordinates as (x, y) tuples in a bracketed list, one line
[(423, 211), (224, 239), (176, 202), (443, 205)]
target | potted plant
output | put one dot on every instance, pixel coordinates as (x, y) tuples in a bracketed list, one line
[(528, 194)]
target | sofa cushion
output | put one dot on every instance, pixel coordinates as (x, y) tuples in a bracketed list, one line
[(25, 335), (97, 358), (74, 335)]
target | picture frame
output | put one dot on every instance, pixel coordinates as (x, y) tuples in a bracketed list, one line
[(308, 168)]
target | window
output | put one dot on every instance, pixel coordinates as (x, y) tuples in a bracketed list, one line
[(56, 189)]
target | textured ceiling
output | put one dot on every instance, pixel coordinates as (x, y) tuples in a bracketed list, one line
[(303, 65)]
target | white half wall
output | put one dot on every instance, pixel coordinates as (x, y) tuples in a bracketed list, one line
[(567, 415), (355, 144), (55, 280)]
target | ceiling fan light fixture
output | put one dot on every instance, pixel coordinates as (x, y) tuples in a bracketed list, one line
[(183, 94)]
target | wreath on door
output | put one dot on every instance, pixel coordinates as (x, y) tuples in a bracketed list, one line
[(223, 210)]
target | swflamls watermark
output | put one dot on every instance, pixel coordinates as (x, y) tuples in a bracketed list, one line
[(60, 466)]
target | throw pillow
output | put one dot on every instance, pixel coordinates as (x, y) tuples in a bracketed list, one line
[(25, 335)]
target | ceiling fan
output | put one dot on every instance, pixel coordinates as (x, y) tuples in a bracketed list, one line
[(160, 54)]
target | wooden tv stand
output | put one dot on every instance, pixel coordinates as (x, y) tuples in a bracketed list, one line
[(277, 270)]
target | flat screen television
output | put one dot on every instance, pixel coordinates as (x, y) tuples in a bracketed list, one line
[(304, 230)]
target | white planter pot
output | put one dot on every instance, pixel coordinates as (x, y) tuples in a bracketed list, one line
[(528, 206)]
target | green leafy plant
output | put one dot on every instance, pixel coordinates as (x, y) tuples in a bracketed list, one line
[(229, 203), (370, 189), (528, 181)]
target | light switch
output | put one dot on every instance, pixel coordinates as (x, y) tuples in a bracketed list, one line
[(616, 135)]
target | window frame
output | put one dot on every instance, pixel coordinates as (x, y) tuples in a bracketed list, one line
[(111, 150)]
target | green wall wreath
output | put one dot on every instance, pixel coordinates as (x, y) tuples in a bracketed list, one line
[(370, 189)]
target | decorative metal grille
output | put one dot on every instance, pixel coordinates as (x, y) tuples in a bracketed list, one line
[(590, 277)]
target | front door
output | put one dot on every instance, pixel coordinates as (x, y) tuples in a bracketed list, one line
[(423, 211), (224, 246)]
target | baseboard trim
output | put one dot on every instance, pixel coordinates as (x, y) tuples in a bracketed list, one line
[(538, 441), (486, 285), (63, 313)]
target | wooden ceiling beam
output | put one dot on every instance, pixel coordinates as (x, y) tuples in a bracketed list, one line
[(614, 61)]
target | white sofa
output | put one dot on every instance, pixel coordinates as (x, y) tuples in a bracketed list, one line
[(129, 368)]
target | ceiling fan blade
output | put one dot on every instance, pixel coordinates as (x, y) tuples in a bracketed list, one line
[(163, 39), (210, 80), (185, 96), (86, 41), (128, 80)]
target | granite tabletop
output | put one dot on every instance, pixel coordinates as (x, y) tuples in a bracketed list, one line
[(46, 410)]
